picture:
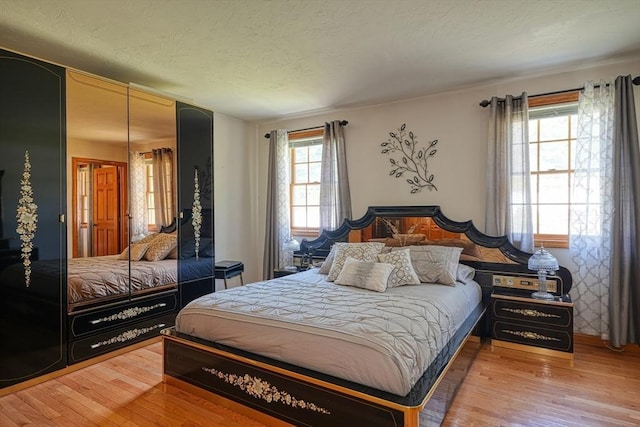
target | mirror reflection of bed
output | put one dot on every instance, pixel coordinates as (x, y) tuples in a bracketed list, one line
[(120, 146)]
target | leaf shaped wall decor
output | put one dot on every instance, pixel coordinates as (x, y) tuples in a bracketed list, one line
[(413, 159)]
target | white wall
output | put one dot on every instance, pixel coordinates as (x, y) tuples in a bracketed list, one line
[(454, 118), (234, 179)]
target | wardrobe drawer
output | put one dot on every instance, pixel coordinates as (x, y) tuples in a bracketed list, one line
[(95, 321), (115, 339)]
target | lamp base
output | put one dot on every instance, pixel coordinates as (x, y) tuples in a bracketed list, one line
[(542, 295)]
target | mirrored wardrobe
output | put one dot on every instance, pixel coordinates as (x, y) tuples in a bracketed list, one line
[(132, 214)]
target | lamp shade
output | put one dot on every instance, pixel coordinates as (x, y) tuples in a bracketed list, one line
[(543, 260), (292, 244)]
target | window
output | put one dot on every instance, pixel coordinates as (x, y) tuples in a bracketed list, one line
[(306, 161), (552, 136)]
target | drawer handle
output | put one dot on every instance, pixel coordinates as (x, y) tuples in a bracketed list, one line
[(127, 335), (128, 313), (528, 312), (530, 335)]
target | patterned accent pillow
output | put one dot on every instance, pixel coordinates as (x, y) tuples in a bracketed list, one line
[(160, 247), (403, 272), (435, 264), (137, 251), (372, 276), (360, 251)]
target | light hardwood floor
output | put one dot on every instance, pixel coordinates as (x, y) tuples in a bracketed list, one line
[(503, 388)]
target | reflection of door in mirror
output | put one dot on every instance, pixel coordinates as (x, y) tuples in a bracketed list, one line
[(99, 202)]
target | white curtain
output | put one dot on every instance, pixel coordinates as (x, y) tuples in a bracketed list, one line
[(162, 163), (592, 208), (508, 198), (138, 196), (335, 196), (277, 230)]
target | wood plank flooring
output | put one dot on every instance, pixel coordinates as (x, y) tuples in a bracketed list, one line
[(503, 388)]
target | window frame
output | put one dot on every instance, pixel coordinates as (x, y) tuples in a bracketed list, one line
[(300, 136), (552, 240)]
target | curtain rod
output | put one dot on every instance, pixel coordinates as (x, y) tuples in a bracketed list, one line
[(485, 103), (342, 122)]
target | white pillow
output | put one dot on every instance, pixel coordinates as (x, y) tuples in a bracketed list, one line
[(465, 274), (325, 268), (403, 272), (360, 251), (372, 276), (435, 264)]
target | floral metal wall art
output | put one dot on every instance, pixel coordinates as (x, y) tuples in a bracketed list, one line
[(196, 213), (412, 160), (27, 216)]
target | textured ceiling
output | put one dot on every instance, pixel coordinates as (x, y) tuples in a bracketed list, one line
[(259, 59)]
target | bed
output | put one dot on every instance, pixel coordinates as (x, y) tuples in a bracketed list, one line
[(317, 348)]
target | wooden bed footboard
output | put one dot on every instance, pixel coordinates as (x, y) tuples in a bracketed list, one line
[(293, 395)]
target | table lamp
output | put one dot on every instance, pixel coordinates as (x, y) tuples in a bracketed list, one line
[(544, 263)]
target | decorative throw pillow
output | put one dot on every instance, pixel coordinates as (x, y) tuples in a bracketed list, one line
[(360, 251), (435, 264), (160, 247), (325, 268), (464, 273), (403, 272), (372, 276), (137, 251)]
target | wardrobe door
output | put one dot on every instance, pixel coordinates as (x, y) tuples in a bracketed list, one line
[(195, 202), (32, 208)]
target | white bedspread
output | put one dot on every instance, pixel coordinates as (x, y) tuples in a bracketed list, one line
[(382, 340)]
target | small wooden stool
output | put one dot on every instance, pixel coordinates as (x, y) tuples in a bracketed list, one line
[(227, 269)]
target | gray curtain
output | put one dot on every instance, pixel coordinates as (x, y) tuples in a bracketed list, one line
[(163, 200), (508, 199), (335, 196), (624, 296), (277, 230)]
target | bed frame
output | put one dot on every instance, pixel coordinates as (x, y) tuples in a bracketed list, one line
[(282, 394)]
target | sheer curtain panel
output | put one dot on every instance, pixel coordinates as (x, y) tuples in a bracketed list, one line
[(138, 196), (277, 229), (335, 196), (591, 209), (508, 208)]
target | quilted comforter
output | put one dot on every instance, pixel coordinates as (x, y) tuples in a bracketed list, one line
[(381, 340)]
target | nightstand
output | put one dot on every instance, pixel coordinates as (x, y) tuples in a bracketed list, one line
[(227, 269), (524, 323), (281, 272)]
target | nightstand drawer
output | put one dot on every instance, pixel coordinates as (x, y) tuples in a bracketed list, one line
[(543, 314), (553, 339)]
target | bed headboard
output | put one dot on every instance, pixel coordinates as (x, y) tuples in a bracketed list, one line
[(496, 261)]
